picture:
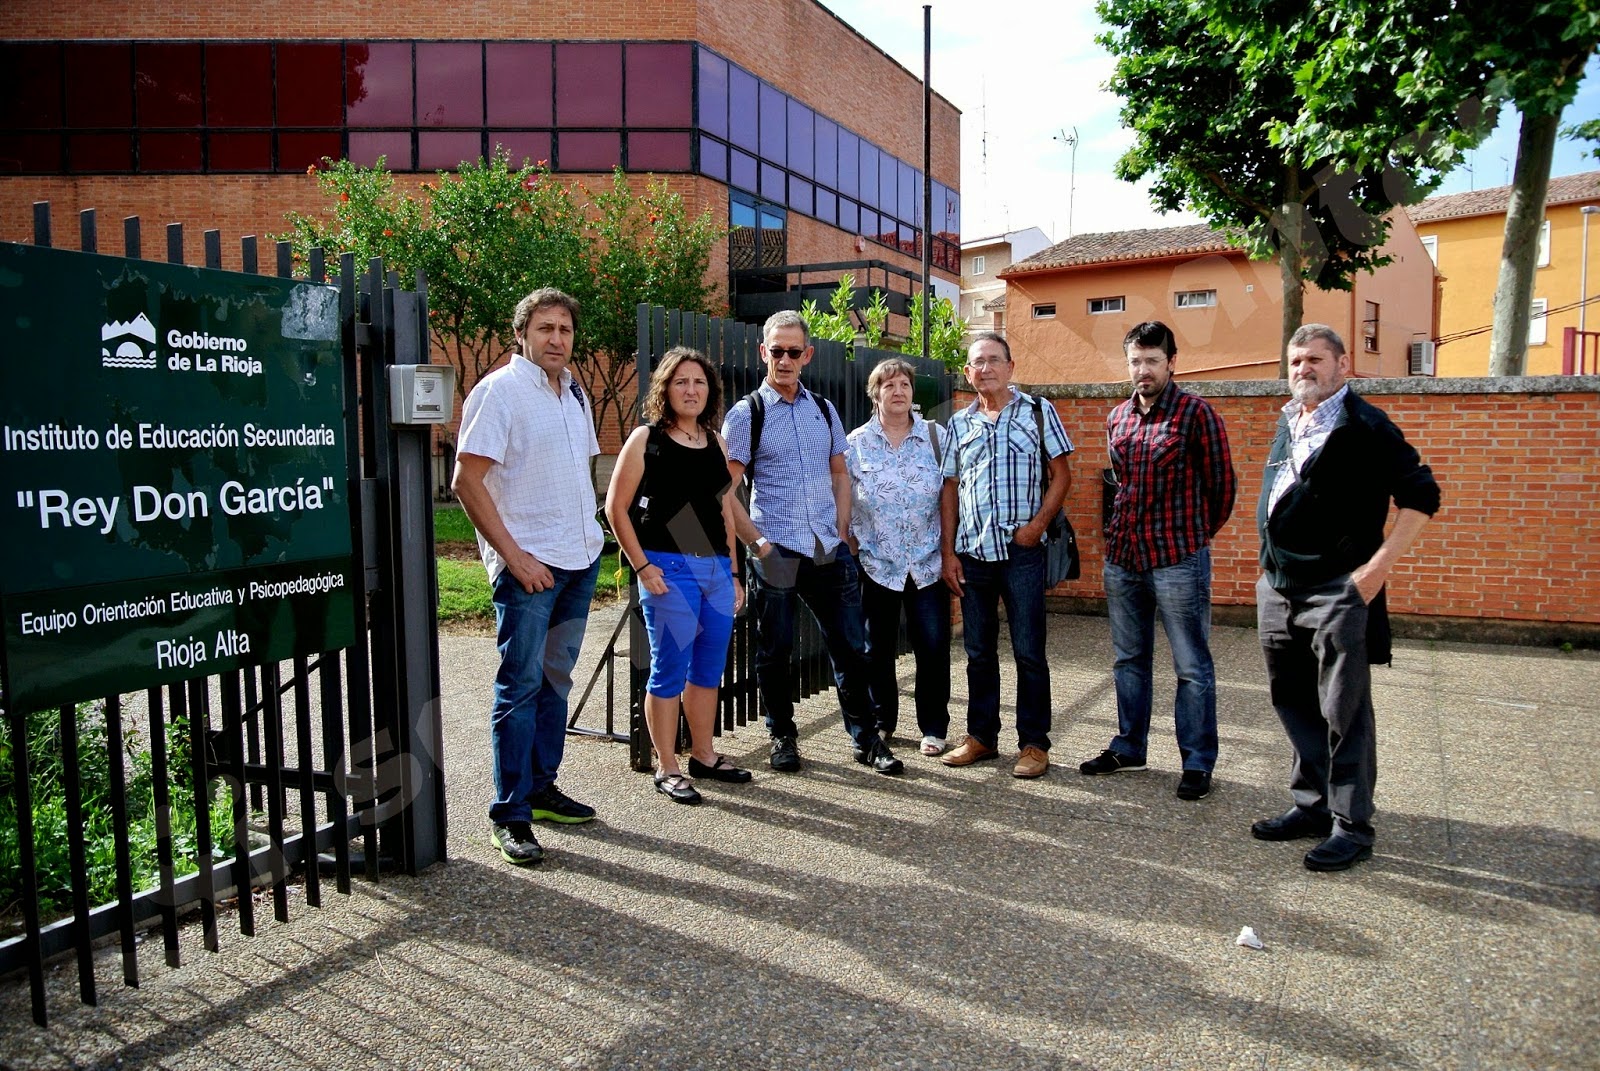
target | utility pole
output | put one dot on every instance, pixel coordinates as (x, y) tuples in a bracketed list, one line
[(1071, 141)]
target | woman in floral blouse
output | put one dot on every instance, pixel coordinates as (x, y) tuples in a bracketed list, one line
[(894, 462)]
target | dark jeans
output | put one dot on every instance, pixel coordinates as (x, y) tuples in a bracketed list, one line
[(1315, 642), (1018, 582), (927, 616), (831, 589)]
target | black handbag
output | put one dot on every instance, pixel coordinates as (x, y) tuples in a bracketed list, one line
[(1060, 541)]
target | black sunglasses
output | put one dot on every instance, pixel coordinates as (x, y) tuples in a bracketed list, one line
[(794, 353)]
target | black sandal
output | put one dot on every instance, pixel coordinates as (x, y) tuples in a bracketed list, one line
[(678, 787), (721, 770)]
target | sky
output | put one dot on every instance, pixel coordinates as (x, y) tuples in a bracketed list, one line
[(1027, 72)]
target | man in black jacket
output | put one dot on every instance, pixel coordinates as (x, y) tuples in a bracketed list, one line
[(1335, 464)]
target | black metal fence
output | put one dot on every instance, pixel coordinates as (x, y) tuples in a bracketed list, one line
[(328, 761)]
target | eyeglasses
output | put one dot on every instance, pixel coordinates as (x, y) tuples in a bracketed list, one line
[(794, 353), (988, 362)]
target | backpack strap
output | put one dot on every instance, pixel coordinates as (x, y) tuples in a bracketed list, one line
[(1044, 453), (758, 417), (933, 440)]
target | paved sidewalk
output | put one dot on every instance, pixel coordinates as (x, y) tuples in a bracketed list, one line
[(838, 919)]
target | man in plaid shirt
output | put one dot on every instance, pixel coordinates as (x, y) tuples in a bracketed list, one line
[(1175, 490)]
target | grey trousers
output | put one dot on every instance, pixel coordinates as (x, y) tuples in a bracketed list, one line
[(1315, 642)]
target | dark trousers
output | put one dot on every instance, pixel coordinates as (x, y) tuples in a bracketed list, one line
[(1018, 582), (927, 617), (1315, 642)]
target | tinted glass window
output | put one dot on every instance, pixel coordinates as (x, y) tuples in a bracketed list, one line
[(741, 213), (888, 184), (713, 158), (849, 162), (800, 194), (867, 185), (713, 117), (659, 90), (240, 152), (100, 152), (910, 193), (744, 94), (772, 182), (849, 216), (296, 152), (519, 80), (98, 89), (450, 85), (658, 151), (30, 87), (825, 158), (234, 77), (774, 112), (169, 152), (167, 86), (308, 87), (525, 146), (30, 152), (377, 84), (589, 151), (801, 138), (438, 149), (827, 206), (869, 223), (588, 87), (742, 170)]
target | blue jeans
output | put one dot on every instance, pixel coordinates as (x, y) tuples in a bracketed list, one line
[(927, 614), (1018, 582), (1181, 595), (831, 588), (538, 635), (690, 625)]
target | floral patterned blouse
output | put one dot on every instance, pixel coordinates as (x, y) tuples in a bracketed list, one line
[(894, 512)]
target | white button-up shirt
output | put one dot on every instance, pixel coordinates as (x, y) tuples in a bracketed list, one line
[(894, 513)]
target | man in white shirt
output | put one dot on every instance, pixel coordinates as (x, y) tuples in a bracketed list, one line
[(522, 475)]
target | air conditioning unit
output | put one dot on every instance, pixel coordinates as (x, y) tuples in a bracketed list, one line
[(1421, 359)]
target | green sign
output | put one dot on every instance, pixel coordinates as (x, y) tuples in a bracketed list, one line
[(173, 494)]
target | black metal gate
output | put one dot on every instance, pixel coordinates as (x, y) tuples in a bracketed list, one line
[(332, 761)]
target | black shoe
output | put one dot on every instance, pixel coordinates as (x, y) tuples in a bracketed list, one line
[(1194, 785), (554, 805), (879, 757), (1108, 761), (1338, 852), (1293, 824), (516, 843), (678, 788), (721, 770), (785, 756)]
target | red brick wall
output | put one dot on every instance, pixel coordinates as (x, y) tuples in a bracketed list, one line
[(1517, 537)]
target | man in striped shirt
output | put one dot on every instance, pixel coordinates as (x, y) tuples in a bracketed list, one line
[(1175, 489), (993, 514)]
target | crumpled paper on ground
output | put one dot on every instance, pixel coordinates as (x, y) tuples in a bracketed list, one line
[(1247, 939)]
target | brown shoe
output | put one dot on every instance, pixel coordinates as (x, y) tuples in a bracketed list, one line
[(971, 750), (1033, 762)]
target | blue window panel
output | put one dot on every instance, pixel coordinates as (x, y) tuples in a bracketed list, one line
[(742, 168), (713, 107), (825, 156), (744, 100), (888, 185), (867, 186), (910, 193), (827, 206), (849, 216), (800, 139), (849, 163), (800, 194), (713, 158), (772, 182), (774, 136)]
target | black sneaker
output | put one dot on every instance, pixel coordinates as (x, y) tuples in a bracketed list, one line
[(877, 755), (1194, 785), (516, 843), (1109, 761), (785, 755), (554, 805)]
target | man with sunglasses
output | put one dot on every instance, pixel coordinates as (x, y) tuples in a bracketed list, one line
[(796, 530)]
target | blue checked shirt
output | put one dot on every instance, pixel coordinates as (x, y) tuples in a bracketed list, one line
[(791, 499), (998, 466)]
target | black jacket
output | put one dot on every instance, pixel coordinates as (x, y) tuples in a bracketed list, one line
[(1330, 520)]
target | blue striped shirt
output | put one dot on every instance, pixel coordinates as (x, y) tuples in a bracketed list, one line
[(997, 464), (791, 499)]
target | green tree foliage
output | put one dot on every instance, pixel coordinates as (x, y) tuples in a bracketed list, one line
[(1588, 130), (838, 325), (489, 233), (946, 331)]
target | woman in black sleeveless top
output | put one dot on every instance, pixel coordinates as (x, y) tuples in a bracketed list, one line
[(672, 513)]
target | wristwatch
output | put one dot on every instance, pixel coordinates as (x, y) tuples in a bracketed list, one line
[(755, 547)]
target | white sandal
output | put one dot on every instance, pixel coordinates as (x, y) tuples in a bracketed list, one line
[(933, 745)]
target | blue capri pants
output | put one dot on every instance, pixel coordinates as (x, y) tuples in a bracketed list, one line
[(690, 625)]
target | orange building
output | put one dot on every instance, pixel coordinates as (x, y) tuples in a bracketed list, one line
[(1069, 306), (1464, 232)]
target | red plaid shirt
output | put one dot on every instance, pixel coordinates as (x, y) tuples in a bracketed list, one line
[(1175, 481)]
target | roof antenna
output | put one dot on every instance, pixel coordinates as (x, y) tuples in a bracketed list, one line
[(1071, 141)]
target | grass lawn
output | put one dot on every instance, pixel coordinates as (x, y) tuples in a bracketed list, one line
[(464, 586)]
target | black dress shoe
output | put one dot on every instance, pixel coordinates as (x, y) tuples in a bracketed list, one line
[(879, 757), (1293, 824), (785, 755), (721, 770), (1338, 852)]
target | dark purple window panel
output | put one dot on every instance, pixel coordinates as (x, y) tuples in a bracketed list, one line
[(888, 184), (99, 91), (298, 151), (713, 158), (772, 182), (588, 85), (377, 84), (446, 149), (849, 216), (908, 241), (910, 194), (713, 117), (100, 152), (800, 194), (169, 152), (236, 81), (825, 152), (30, 153), (774, 113), (532, 146), (800, 139), (658, 151), (867, 188), (240, 152), (952, 215), (449, 84), (869, 223), (393, 145), (166, 79), (30, 87), (827, 206), (744, 101), (309, 82), (519, 79), (849, 162), (743, 170), (589, 150), (659, 85)]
